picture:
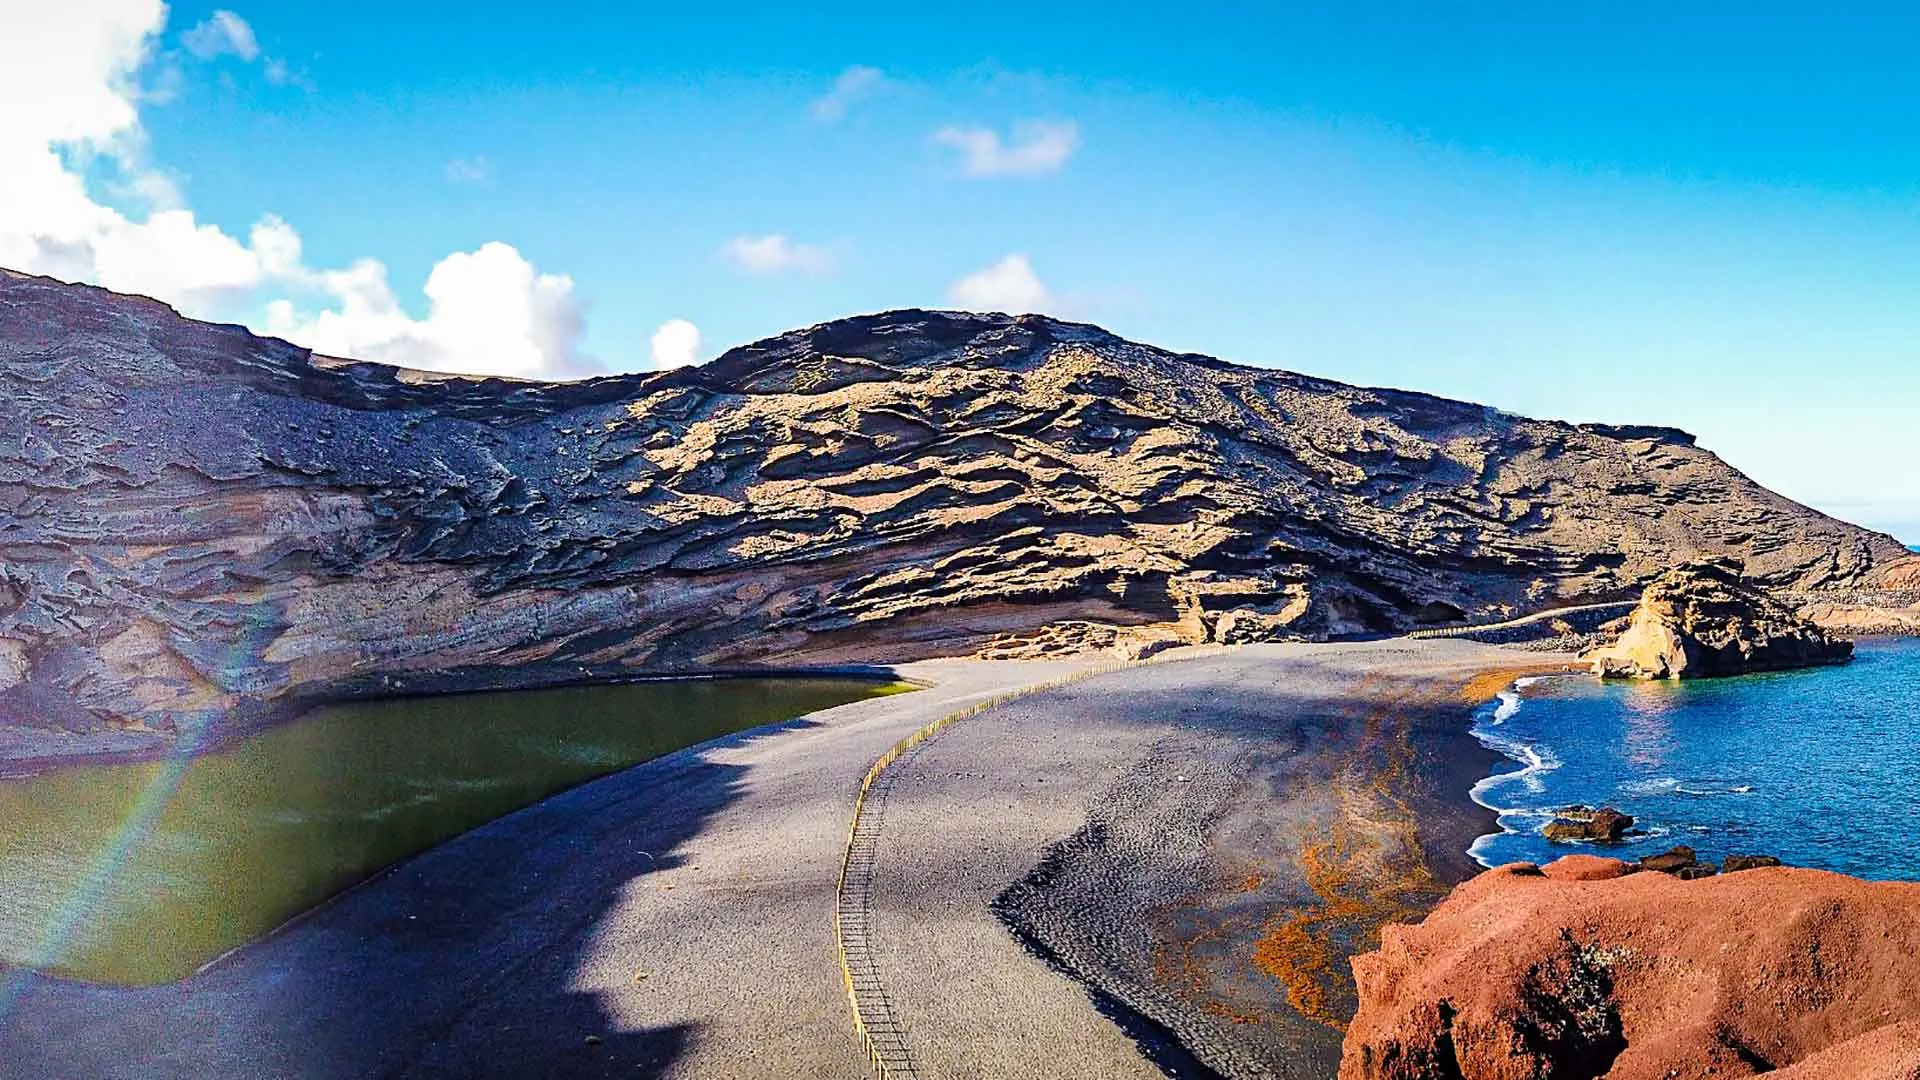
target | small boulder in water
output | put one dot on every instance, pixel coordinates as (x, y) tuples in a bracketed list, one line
[(1735, 863), (1670, 862), (1575, 823)]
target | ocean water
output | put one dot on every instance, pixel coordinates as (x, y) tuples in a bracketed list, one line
[(1820, 767)]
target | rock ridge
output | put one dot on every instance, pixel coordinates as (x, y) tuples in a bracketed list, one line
[(200, 527)]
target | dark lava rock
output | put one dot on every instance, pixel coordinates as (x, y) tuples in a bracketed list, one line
[(1577, 823), (1735, 863), (1670, 862)]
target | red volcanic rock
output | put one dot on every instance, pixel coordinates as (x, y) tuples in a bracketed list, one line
[(1587, 868), (1888, 1053), (1802, 974)]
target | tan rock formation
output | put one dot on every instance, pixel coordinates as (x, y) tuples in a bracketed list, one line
[(1703, 620), (271, 527), (1576, 975)]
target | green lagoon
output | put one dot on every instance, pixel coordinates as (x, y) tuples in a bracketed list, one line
[(138, 874)]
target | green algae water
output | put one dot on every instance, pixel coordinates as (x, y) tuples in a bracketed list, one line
[(139, 874)]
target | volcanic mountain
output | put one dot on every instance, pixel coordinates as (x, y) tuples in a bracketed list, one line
[(200, 528)]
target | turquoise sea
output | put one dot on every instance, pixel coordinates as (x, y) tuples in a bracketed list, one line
[(1820, 767)]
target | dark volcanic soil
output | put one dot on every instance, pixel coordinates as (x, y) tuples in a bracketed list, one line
[(1202, 845)]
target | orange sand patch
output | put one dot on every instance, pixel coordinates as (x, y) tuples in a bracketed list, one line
[(1487, 685), (1367, 868)]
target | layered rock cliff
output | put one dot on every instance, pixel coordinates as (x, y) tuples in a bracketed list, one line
[(1701, 620), (199, 526)]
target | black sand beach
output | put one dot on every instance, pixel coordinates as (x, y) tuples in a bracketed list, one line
[(1216, 834), (1201, 844)]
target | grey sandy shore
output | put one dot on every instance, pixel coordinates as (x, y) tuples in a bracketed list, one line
[(1167, 809), (675, 919)]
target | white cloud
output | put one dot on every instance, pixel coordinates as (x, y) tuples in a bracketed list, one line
[(1009, 285), (472, 170), (850, 87), (676, 344), (278, 73), (776, 254), (489, 313), (69, 102), (1033, 148), (223, 33)]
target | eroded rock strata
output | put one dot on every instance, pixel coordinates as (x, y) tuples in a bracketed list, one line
[(1586, 970), (198, 525), (1702, 620)]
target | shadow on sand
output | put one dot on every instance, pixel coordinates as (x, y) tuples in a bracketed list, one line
[(459, 962)]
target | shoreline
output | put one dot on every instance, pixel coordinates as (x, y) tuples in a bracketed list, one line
[(1481, 721), (1241, 746), (683, 896), (1577, 740), (18, 759), (1149, 833)]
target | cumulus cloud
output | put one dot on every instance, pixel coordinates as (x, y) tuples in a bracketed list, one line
[(850, 87), (489, 313), (676, 344), (776, 254), (1009, 285), (223, 33), (1033, 148), (69, 109), (67, 103)]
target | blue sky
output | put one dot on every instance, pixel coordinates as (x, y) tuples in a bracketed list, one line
[(1704, 217)]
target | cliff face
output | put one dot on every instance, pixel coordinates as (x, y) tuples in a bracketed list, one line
[(196, 523), (1702, 621)]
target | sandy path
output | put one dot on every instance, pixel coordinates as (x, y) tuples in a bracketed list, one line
[(678, 912)]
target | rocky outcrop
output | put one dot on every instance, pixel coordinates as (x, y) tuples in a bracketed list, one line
[(1679, 859), (199, 527), (1892, 607), (1575, 975), (1584, 823), (1703, 620)]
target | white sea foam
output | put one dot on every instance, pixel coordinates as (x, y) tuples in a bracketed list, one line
[(1535, 762), (1659, 785), (1510, 703), (1478, 849), (1669, 785)]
